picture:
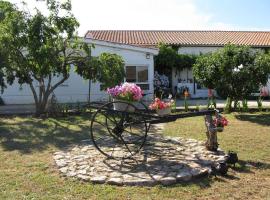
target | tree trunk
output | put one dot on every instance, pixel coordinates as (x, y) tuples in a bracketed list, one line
[(211, 133), (41, 101), (41, 105), (235, 104)]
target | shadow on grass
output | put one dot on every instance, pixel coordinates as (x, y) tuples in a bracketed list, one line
[(32, 134), (29, 134), (245, 166), (261, 119)]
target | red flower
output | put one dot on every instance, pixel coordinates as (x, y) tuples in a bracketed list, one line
[(158, 104), (220, 122)]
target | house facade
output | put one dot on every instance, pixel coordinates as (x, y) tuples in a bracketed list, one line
[(187, 42), (138, 49), (139, 64)]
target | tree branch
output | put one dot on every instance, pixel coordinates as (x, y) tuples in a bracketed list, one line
[(49, 82), (59, 83), (34, 92)]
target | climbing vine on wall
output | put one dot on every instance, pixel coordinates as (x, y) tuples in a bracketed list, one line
[(169, 58)]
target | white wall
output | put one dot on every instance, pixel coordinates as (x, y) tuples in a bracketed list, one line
[(76, 89), (197, 50)]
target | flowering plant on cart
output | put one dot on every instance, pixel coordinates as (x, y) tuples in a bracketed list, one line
[(126, 92), (160, 105)]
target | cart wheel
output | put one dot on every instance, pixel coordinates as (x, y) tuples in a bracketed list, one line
[(118, 130)]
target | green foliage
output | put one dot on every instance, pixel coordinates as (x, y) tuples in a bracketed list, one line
[(197, 107), (211, 102), (186, 104), (8, 25), (185, 61), (112, 69), (169, 58), (173, 106), (166, 59), (107, 68), (235, 71), (245, 105)]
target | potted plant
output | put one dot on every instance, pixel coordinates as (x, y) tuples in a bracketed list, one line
[(124, 95), (220, 122), (162, 108)]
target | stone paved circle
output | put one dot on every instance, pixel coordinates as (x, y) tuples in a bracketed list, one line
[(163, 160)]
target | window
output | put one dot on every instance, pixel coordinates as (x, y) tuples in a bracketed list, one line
[(131, 74), (137, 74)]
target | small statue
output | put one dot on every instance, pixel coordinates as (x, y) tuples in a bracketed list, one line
[(232, 158)]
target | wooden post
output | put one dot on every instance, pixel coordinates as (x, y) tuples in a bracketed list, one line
[(211, 133)]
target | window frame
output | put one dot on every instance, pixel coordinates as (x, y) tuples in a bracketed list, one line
[(136, 82)]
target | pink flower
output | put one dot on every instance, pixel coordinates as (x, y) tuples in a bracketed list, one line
[(126, 91), (264, 92)]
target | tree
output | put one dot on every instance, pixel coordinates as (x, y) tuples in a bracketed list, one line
[(40, 50), (6, 11), (236, 71), (109, 69)]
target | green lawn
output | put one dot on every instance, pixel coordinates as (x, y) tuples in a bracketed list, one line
[(27, 169)]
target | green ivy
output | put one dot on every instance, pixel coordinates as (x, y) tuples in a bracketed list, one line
[(169, 58)]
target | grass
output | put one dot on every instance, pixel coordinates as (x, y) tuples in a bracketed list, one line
[(27, 169)]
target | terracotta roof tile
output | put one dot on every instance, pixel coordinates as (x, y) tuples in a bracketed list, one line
[(183, 38)]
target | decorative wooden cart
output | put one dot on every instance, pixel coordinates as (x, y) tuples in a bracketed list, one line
[(119, 129)]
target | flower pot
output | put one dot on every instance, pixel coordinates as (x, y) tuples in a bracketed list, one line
[(123, 106), (165, 111)]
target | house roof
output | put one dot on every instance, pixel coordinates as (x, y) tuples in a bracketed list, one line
[(182, 38), (153, 51)]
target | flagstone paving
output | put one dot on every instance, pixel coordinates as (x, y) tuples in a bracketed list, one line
[(162, 160)]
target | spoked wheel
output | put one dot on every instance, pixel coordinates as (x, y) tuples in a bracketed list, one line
[(118, 130)]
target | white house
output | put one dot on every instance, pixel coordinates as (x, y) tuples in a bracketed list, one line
[(138, 48), (187, 42), (139, 64)]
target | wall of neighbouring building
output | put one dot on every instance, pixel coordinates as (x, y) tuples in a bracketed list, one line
[(186, 75)]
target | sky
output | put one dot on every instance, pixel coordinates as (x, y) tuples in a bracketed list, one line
[(167, 14)]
